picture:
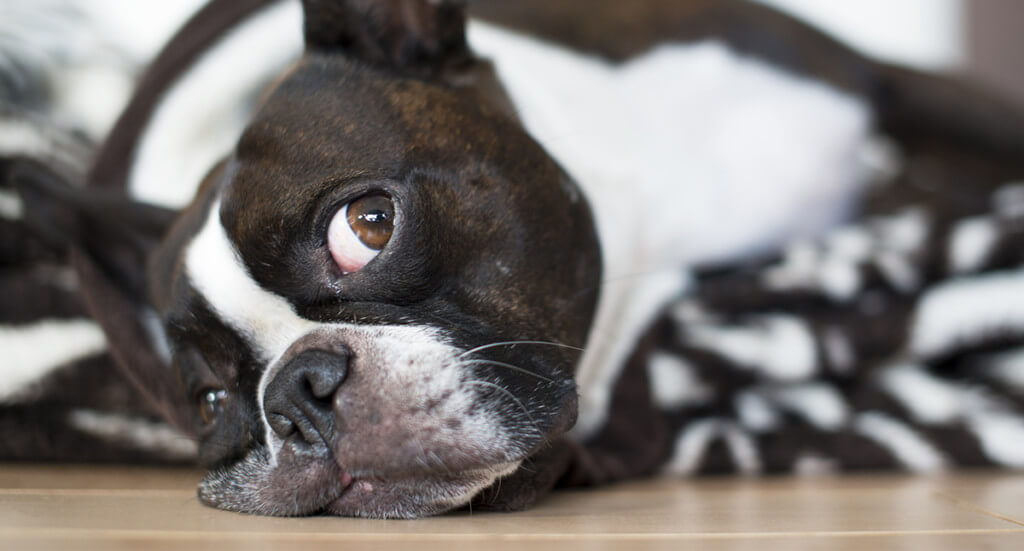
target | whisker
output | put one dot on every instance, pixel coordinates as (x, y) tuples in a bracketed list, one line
[(511, 343), (526, 412), (510, 366), (627, 277)]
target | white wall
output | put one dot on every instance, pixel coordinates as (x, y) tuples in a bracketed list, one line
[(139, 26), (923, 33)]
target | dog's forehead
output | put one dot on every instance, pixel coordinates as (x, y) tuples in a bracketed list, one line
[(332, 121), (334, 117)]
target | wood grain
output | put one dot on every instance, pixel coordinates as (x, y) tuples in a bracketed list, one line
[(75, 507)]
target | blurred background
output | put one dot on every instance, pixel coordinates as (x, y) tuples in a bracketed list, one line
[(981, 39)]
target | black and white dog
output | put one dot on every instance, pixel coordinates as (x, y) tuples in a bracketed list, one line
[(404, 263)]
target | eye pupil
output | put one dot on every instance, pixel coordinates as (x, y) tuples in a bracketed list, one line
[(372, 220), (211, 403)]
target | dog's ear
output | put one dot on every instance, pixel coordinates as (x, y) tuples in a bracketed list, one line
[(108, 238), (423, 37)]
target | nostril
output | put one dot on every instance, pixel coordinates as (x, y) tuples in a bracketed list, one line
[(324, 380), (300, 396)]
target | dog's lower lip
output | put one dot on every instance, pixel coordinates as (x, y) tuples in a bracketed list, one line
[(345, 482)]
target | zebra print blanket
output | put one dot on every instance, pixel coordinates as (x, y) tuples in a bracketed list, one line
[(896, 341)]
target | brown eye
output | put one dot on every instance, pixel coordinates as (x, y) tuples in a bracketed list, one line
[(211, 403), (360, 230), (372, 219)]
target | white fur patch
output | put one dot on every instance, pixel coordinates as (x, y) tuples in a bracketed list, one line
[(218, 274), (971, 243), (32, 351), (906, 445), (204, 113), (137, 432), (674, 383), (781, 347), (967, 310)]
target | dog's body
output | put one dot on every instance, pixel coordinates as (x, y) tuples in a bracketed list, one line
[(405, 379)]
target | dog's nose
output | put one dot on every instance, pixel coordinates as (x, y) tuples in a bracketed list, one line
[(300, 397)]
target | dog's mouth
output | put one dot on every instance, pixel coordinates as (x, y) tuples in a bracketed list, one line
[(412, 496), (298, 483)]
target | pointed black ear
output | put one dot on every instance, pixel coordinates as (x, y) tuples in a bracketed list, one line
[(108, 238), (422, 37)]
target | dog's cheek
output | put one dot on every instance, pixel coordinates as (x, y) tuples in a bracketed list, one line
[(537, 476)]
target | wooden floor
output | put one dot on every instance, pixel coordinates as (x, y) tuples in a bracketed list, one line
[(53, 507)]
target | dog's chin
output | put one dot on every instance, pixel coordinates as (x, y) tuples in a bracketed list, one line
[(415, 496), (299, 483)]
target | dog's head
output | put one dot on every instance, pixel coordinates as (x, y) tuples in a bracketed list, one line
[(375, 304)]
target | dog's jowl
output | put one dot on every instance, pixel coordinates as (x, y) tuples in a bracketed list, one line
[(432, 258)]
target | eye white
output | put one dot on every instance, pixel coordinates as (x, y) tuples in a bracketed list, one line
[(348, 251)]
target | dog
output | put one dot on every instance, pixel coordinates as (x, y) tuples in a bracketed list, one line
[(421, 263)]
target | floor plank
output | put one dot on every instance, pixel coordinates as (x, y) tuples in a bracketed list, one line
[(54, 507)]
